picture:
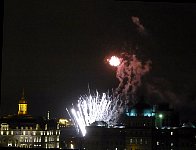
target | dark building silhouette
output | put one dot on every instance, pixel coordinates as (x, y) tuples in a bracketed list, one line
[(144, 127)]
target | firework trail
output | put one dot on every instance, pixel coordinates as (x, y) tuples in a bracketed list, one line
[(91, 108)]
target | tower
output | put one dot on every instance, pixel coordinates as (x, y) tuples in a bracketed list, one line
[(22, 106)]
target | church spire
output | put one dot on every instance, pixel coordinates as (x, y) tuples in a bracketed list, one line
[(22, 110), (23, 94)]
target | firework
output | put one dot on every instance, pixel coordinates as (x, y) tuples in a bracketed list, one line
[(91, 108), (129, 72), (114, 61)]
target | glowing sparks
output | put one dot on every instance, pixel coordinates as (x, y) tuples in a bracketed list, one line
[(91, 108), (114, 61)]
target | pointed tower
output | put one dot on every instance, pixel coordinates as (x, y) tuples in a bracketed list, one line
[(22, 106)]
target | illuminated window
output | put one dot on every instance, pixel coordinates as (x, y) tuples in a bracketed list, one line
[(46, 139), (4, 126), (21, 139), (26, 139), (157, 143), (34, 132), (57, 138), (9, 144), (72, 146), (140, 141), (171, 133), (146, 142), (30, 139), (172, 144)]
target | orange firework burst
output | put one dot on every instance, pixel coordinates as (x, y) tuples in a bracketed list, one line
[(114, 61)]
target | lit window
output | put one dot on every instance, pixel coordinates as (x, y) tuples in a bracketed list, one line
[(21, 139), (146, 142), (33, 132), (157, 143), (131, 141), (9, 144), (171, 133), (172, 144), (72, 146), (140, 141)]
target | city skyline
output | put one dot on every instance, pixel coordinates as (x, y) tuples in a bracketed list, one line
[(56, 50)]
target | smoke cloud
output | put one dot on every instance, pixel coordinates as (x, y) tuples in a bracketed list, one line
[(160, 90), (136, 21), (129, 73)]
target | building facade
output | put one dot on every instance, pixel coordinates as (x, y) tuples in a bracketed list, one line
[(25, 131)]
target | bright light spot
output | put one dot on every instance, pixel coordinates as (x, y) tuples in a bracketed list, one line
[(160, 116), (114, 61), (72, 146)]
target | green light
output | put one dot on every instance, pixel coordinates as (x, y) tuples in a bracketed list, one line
[(160, 116)]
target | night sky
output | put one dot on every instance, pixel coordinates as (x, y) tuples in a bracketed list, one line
[(55, 49)]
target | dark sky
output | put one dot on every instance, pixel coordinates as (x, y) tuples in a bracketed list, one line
[(54, 49)]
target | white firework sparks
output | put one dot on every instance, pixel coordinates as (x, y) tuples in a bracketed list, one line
[(114, 61), (91, 108)]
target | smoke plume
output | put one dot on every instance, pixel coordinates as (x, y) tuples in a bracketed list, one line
[(129, 73), (136, 21)]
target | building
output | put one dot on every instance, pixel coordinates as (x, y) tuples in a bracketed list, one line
[(144, 127), (25, 131)]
